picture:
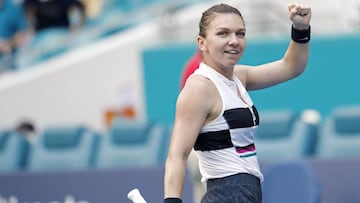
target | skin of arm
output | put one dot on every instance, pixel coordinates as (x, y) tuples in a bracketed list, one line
[(193, 110), (290, 66), (17, 40)]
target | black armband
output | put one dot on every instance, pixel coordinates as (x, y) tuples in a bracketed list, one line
[(300, 36), (172, 200)]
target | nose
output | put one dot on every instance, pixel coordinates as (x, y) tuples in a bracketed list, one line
[(233, 39)]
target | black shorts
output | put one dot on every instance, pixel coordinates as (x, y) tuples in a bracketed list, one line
[(239, 188)]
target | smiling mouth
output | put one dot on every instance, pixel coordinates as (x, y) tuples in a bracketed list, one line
[(232, 52)]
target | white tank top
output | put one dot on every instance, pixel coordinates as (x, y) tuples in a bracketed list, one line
[(225, 146)]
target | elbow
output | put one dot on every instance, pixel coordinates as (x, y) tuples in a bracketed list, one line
[(174, 158), (299, 69), (296, 62), (296, 68)]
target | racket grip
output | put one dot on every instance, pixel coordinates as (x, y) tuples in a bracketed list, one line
[(135, 196)]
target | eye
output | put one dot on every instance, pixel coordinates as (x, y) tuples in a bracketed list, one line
[(241, 34), (222, 33)]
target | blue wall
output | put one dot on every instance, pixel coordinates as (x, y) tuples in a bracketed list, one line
[(162, 71), (93, 186), (331, 79)]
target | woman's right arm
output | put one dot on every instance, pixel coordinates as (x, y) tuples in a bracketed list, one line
[(192, 109)]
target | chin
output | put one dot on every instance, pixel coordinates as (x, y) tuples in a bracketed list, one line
[(230, 64)]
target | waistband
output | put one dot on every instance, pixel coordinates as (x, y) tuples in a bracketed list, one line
[(236, 179)]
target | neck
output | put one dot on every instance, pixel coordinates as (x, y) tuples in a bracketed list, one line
[(225, 71)]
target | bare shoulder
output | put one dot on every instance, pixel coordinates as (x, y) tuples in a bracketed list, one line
[(199, 100), (241, 71), (196, 93), (198, 85)]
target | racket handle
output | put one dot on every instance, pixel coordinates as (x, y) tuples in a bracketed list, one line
[(135, 196)]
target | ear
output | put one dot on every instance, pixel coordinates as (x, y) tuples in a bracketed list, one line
[(201, 43)]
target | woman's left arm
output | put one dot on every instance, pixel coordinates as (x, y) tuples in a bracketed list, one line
[(294, 60)]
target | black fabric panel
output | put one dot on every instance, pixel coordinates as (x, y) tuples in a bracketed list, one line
[(256, 115), (213, 141), (241, 117)]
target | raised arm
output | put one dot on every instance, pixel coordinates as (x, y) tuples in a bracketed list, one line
[(294, 60)]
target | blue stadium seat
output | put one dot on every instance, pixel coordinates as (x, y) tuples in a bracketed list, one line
[(131, 144), (13, 151), (290, 181), (285, 134), (63, 148), (340, 133)]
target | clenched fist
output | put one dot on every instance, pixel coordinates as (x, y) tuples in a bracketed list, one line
[(300, 15)]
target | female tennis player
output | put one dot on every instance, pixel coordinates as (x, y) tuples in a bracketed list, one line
[(215, 114)]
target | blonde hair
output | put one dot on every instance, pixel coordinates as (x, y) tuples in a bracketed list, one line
[(209, 15)]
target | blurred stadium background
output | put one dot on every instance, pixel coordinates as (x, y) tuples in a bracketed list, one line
[(102, 101)]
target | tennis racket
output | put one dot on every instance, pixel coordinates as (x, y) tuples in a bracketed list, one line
[(135, 196)]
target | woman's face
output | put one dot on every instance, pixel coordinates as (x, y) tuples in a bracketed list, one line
[(225, 41)]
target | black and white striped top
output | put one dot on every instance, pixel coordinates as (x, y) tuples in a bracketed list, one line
[(225, 146)]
